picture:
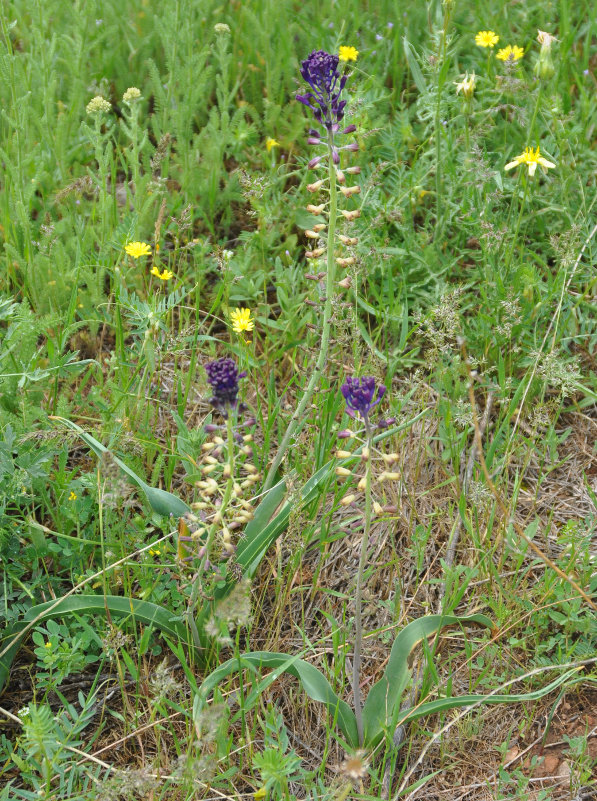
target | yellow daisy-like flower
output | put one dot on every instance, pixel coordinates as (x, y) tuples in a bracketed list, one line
[(269, 143), (348, 53), (531, 158), (510, 53), (72, 496), (137, 249), (165, 276), (486, 39), (242, 320)]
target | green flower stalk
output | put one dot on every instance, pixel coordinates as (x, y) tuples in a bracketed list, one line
[(321, 71), (359, 395)]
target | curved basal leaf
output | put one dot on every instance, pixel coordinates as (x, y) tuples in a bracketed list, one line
[(444, 704), (142, 611), (314, 683), (161, 501), (382, 707)]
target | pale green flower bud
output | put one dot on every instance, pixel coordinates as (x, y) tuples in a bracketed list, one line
[(97, 105), (131, 94)]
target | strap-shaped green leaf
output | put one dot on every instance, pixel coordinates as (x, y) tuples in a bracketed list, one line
[(313, 681), (142, 611), (443, 704), (162, 502), (382, 707)]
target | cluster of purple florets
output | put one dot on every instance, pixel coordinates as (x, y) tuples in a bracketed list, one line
[(359, 394), (223, 378), (320, 71)]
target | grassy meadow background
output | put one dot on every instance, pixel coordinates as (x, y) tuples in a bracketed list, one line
[(468, 282)]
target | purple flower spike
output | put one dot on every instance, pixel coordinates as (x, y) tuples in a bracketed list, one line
[(223, 378), (320, 71), (359, 393)]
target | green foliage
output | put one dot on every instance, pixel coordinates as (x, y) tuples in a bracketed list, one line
[(278, 763), (451, 248)]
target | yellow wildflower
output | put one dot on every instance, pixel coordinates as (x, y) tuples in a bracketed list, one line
[(48, 644), (259, 794), (486, 39), (154, 551), (242, 320), (137, 249), (72, 496), (165, 276), (269, 143), (348, 53), (510, 53), (531, 158)]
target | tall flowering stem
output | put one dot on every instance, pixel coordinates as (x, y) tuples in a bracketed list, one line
[(360, 397), (358, 600), (223, 377), (320, 71)]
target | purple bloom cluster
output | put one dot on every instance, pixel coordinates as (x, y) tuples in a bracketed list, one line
[(359, 393), (320, 71), (223, 378)]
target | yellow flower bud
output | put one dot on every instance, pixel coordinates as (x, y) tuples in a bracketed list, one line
[(343, 471), (347, 500)]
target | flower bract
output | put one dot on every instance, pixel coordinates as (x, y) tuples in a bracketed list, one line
[(137, 249), (359, 394), (510, 53), (242, 320), (531, 158), (486, 39), (347, 53)]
